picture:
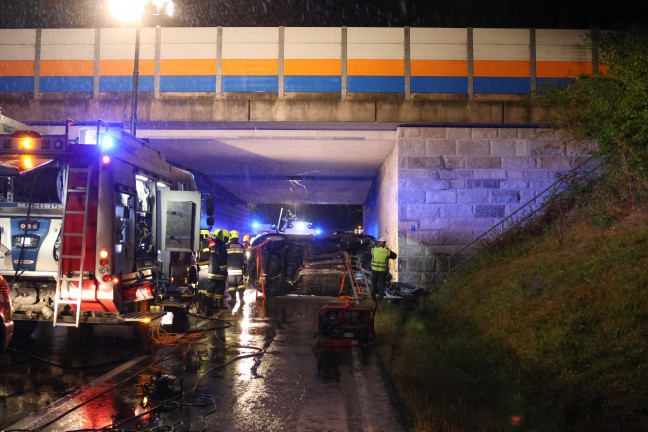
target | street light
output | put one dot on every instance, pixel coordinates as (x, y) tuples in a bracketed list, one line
[(133, 11)]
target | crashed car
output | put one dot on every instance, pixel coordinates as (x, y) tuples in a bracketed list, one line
[(309, 265)]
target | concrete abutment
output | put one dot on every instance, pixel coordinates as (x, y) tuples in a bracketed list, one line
[(443, 187)]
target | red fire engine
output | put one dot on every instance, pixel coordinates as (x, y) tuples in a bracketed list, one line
[(94, 230)]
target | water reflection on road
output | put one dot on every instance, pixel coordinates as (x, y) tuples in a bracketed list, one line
[(255, 368)]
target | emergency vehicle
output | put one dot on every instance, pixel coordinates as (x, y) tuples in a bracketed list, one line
[(95, 229)]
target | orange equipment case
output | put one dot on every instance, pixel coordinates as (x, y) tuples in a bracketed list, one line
[(345, 325)]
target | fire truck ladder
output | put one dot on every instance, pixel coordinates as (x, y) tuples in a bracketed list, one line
[(70, 280), (352, 268)]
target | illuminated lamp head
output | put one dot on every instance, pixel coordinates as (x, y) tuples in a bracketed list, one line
[(106, 142), (26, 139), (105, 159), (300, 226)]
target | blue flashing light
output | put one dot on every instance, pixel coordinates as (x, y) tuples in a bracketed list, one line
[(255, 225), (106, 142), (318, 231)]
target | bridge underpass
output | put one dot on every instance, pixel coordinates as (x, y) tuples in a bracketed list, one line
[(431, 130), (272, 163), (429, 189)]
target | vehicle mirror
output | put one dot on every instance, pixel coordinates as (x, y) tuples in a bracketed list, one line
[(210, 221), (209, 206)]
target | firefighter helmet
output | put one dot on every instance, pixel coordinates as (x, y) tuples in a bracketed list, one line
[(221, 234), (234, 234), (246, 238)]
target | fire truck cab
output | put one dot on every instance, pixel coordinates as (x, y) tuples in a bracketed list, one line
[(96, 229)]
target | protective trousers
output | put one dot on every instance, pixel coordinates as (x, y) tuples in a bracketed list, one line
[(378, 283), (236, 283)]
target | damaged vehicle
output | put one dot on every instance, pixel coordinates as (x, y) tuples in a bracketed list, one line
[(281, 263)]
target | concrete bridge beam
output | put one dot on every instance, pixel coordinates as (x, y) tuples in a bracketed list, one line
[(201, 108)]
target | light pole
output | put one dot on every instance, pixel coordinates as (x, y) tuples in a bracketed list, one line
[(129, 11)]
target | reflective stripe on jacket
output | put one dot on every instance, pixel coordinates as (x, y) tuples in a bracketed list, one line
[(218, 261), (235, 258)]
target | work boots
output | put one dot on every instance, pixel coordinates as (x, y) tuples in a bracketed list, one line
[(242, 295), (221, 304), (232, 301), (210, 306)]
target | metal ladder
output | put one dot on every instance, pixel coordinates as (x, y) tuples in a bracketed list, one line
[(352, 267), (70, 279)]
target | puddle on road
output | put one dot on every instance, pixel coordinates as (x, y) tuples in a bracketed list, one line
[(257, 368)]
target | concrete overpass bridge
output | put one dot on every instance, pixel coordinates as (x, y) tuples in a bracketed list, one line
[(431, 130)]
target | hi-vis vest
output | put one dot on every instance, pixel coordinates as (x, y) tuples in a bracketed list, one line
[(379, 258)]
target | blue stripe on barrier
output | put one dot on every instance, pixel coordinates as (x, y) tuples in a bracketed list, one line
[(307, 83), (502, 85), (125, 83), (420, 84), (250, 83), (380, 84), (188, 83), (67, 84), (10, 84)]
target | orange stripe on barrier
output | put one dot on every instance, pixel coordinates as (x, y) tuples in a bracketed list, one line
[(16, 68), (562, 69), (188, 67), (250, 67), (67, 68), (439, 68), (502, 68), (318, 67), (376, 67), (125, 67)]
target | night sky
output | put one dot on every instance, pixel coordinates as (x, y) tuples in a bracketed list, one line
[(333, 13)]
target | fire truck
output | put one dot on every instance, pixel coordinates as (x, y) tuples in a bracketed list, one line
[(99, 228)]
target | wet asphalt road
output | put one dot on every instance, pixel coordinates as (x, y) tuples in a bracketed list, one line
[(257, 368)]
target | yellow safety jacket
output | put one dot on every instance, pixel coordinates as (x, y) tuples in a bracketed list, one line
[(380, 258)]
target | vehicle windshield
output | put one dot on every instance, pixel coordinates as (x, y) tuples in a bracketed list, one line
[(39, 185)]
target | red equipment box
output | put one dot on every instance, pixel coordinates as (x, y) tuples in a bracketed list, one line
[(342, 326)]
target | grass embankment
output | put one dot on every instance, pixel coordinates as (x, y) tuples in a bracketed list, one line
[(549, 333)]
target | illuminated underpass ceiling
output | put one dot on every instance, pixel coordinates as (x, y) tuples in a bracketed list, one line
[(321, 164)]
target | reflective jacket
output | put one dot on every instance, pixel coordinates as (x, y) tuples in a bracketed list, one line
[(380, 257), (235, 258), (217, 260)]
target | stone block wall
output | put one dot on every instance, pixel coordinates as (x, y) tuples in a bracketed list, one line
[(454, 184)]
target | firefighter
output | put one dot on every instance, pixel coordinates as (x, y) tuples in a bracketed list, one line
[(380, 256), (246, 241), (205, 240), (247, 245), (236, 263), (213, 298)]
